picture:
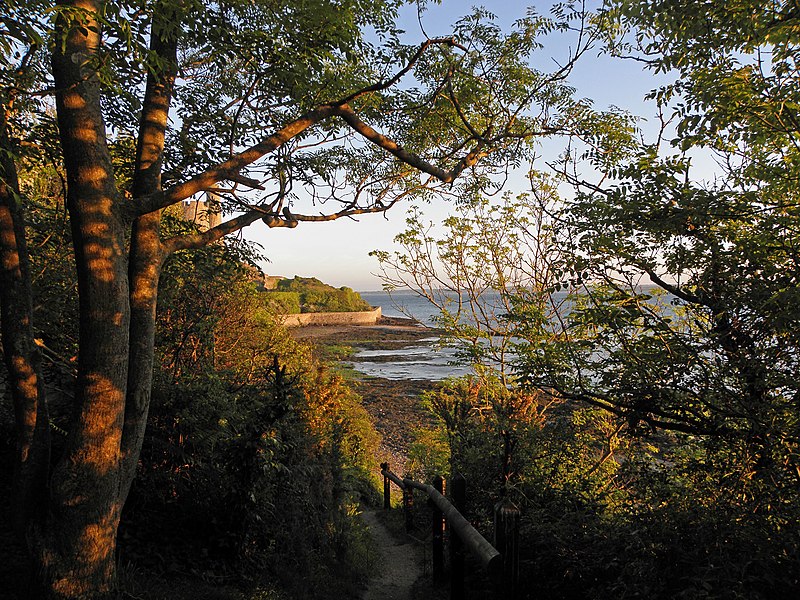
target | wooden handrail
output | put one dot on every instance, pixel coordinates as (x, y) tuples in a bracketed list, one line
[(480, 547), (401, 483)]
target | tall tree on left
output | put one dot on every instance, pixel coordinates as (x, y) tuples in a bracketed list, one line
[(265, 102)]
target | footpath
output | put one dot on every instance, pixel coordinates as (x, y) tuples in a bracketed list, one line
[(395, 412), (398, 568)]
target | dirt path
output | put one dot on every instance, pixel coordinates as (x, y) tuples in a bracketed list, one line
[(398, 568)]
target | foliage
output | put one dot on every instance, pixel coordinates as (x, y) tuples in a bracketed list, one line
[(684, 314), (280, 109), (256, 456), (284, 303), (666, 535), (315, 296), (56, 313), (608, 515), (712, 349), (481, 262), (249, 68), (672, 441), (234, 477), (428, 455), (201, 293)]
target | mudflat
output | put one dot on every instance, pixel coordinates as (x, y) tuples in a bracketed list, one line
[(393, 405), (387, 328)]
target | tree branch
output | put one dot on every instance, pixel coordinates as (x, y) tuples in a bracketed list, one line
[(231, 167), (386, 84), (672, 289), (146, 253), (402, 154), (204, 238)]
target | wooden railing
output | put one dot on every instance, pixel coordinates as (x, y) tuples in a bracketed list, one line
[(500, 560)]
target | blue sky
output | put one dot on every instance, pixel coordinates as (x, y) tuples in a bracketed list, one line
[(338, 252)]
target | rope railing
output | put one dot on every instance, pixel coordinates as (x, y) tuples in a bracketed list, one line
[(501, 567)]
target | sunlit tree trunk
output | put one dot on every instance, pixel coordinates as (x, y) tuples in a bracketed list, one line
[(146, 251), (77, 539)]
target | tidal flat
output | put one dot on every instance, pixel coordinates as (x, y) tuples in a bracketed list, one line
[(393, 403)]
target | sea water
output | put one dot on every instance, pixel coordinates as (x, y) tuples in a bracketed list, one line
[(424, 359), (427, 359), (403, 303)]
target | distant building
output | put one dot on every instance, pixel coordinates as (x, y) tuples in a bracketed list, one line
[(203, 213), (207, 214)]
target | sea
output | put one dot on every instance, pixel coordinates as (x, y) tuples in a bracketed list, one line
[(424, 359), (402, 303), (427, 358)]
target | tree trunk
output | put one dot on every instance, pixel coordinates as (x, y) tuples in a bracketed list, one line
[(146, 252), (77, 539), (22, 356)]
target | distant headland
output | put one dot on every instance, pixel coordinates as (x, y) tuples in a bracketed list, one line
[(308, 301)]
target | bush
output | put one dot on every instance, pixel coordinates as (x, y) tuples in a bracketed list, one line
[(260, 482), (255, 456), (607, 514)]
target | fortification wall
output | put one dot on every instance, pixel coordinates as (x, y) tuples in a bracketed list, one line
[(367, 317)]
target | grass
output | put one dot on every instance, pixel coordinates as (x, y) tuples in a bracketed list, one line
[(335, 351)]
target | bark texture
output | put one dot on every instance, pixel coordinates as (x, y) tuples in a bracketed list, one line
[(146, 251), (78, 537)]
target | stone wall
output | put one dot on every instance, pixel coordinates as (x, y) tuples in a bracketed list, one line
[(368, 317)]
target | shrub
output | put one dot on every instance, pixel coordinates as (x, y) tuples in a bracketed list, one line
[(255, 455), (608, 514)]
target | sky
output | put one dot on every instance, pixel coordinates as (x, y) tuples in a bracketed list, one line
[(337, 252)]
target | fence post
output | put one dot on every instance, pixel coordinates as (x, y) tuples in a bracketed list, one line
[(387, 490), (408, 505), (458, 487), (506, 540), (437, 531)]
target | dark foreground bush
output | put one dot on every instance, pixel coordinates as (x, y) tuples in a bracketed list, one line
[(253, 485), (609, 515)]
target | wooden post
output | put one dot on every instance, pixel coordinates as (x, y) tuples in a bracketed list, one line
[(408, 505), (437, 531), (458, 486), (387, 490), (506, 540)]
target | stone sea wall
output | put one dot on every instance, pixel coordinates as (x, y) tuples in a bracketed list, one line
[(367, 317)]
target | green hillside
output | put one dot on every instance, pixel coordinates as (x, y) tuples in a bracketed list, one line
[(309, 294)]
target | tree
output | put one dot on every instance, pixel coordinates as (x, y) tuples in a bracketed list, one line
[(490, 272), (264, 103), (486, 256), (687, 317), (681, 324)]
